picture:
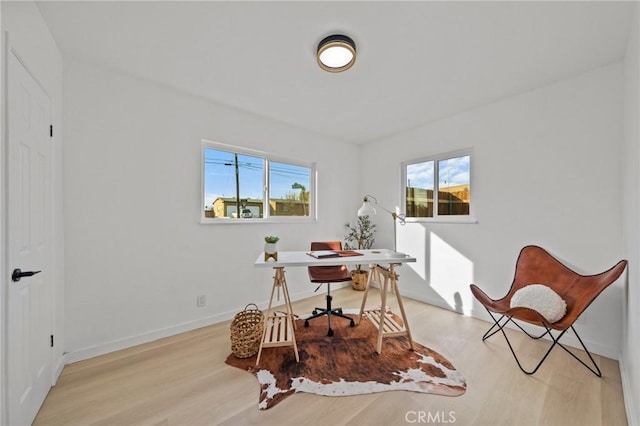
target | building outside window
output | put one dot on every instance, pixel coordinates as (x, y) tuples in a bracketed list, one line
[(250, 185)]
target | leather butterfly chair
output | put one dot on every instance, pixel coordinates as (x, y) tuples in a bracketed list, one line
[(328, 275), (535, 265)]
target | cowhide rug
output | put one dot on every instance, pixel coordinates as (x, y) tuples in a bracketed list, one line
[(347, 364)]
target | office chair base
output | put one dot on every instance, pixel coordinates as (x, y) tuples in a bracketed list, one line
[(337, 312)]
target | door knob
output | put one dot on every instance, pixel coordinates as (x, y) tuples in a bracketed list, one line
[(17, 274)]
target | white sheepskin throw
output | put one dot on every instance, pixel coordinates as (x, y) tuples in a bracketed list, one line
[(541, 299)]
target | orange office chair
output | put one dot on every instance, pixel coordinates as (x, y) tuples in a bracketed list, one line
[(327, 275), (535, 265)]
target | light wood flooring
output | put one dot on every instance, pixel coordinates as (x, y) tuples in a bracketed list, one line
[(183, 380)]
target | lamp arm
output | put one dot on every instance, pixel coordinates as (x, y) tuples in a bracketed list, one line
[(401, 217)]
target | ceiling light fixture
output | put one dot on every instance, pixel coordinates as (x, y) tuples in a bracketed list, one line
[(336, 53)]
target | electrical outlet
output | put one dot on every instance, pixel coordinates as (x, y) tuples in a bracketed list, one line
[(201, 301)]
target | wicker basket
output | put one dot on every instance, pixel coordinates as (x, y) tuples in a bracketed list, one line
[(359, 280), (246, 331)]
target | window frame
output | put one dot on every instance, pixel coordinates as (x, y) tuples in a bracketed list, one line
[(267, 159), (436, 158)]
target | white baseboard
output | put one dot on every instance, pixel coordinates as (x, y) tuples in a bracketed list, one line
[(631, 406), (569, 339), (116, 345), (108, 347), (58, 369), (630, 400), (423, 298)]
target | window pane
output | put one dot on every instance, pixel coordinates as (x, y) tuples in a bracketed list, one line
[(232, 182), (453, 186), (420, 189), (289, 187)]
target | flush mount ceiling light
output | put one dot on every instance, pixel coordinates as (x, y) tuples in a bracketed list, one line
[(336, 53)]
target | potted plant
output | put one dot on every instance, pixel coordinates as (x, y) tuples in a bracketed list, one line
[(271, 247), (360, 237)]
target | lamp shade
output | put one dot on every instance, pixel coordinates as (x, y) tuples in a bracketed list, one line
[(366, 209), (336, 53)]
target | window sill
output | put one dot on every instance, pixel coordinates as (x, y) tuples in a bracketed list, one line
[(222, 221), (459, 220)]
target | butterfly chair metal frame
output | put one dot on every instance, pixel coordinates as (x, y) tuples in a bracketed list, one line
[(536, 266)]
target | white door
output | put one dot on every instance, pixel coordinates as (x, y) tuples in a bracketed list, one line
[(29, 315)]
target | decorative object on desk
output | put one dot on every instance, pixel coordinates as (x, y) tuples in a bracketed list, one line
[(360, 236), (323, 254), (271, 247), (346, 364), (367, 209), (246, 331)]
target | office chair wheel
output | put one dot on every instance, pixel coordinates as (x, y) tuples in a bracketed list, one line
[(315, 312), (330, 333), (306, 323), (352, 324)]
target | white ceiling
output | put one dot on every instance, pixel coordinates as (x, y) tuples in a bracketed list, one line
[(417, 61)]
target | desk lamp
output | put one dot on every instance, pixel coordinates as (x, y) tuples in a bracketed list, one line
[(367, 209)]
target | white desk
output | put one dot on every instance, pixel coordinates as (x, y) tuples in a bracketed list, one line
[(279, 331)]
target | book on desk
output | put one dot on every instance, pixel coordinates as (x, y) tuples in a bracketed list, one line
[(323, 254)]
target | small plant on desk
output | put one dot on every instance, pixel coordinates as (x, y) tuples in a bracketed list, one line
[(271, 247)]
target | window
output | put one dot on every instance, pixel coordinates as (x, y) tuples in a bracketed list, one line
[(252, 186), (443, 181)]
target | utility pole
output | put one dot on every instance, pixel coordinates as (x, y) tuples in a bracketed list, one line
[(238, 215)]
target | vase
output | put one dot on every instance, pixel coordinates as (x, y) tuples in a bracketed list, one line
[(271, 251)]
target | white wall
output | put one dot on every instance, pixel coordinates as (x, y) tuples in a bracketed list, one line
[(24, 32), (545, 170), (137, 256), (630, 351)]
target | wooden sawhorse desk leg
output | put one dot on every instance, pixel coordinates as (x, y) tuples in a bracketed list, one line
[(374, 276), (279, 329), (387, 327)]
